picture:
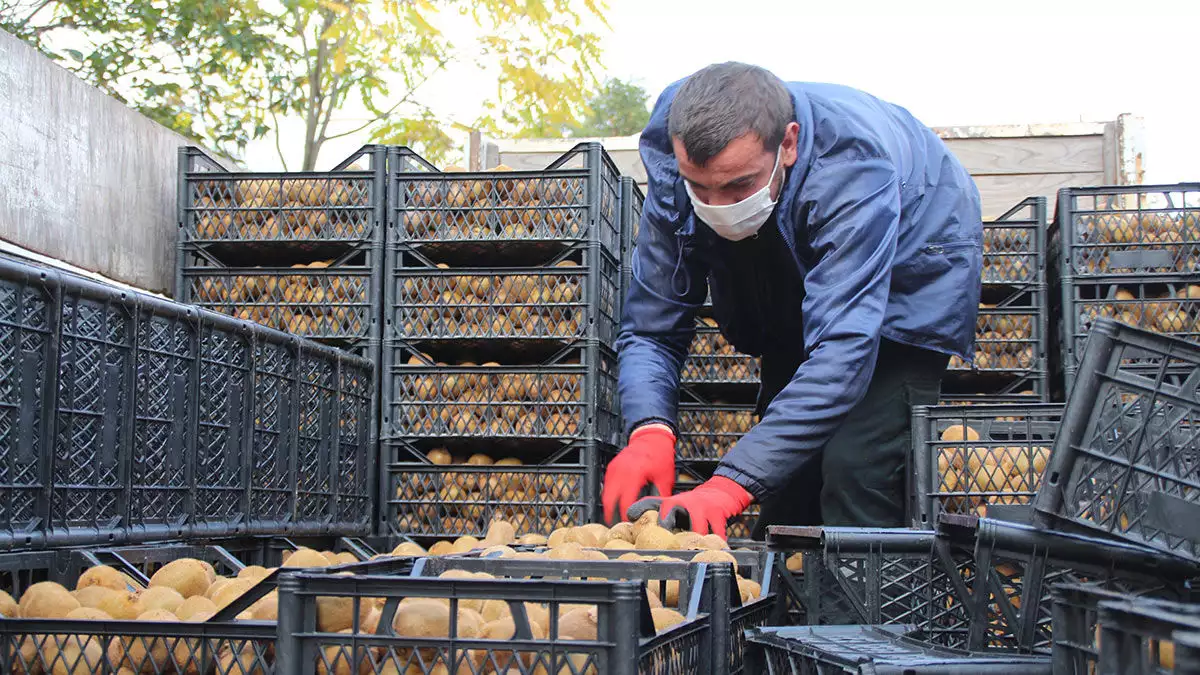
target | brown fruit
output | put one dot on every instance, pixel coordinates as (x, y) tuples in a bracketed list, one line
[(503, 551), (579, 623), (665, 618), (714, 542), (567, 551), (46, 600), (9, 607), (408, 549), (266, 608), (149, 654), (306, 557), (716, 557), (748, 589), (232, 591), (439, 456), (337, 613), (161, 597), (197, 604), (256, 572), (92, 595), (688, 541), (188, 577), (618, 545), (101, 575), (465, 544), (532, 540), (959, 432), (623, 531), (655, 538), (74, 654), (441, 548), (500, 533)]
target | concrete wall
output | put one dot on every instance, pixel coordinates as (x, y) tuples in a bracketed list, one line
[(84, 178)]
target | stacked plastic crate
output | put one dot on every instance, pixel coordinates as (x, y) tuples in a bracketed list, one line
[(1130, 253), (499, 379), (1010, 361), (298, 251)]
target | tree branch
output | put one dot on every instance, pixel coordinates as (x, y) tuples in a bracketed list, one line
[(407, 98), (278, 147), (35, 12)]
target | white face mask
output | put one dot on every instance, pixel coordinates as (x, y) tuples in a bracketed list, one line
[(737, 221)]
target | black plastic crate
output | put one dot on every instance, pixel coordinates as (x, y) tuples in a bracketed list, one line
[(632, 202), (1138, 636), (1125, 462), (979, 459), (573, 397), (28, 357), (873, 650), (1014, 245), (1115, 231), (280, 218), (1169, 305), (626, 644), (882, 576), (730, 616), (557, 303), (1010, 348), (708, 431), (713, 363), (333, 301), (1017, 565), (427, 500), (508, 217)]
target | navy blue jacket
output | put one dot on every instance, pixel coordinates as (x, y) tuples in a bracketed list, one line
[(878, 235)]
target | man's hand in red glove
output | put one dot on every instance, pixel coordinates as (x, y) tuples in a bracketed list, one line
[(705, 509), (645, 466)]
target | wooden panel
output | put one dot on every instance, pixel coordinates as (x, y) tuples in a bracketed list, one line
[(1000, 193), (1038, 154)]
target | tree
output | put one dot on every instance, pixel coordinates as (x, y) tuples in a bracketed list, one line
[(618, 109), (227, 71)]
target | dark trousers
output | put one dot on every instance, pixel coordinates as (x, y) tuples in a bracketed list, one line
[(859, 477)]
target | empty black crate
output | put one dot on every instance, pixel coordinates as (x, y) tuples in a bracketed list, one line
[(280, 218), (451, 498), (1124, 464), (627, 642), (981, 459), (571, 397), (882, 576), (1016, 566), (507, 217), (557, 303), (162, 420), (1128, 230), (873, 650)]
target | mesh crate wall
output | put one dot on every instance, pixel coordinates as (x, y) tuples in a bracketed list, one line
[(1011, 342), (146, 408), (1126, 253)]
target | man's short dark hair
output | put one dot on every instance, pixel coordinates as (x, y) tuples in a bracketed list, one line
[(725, 101)]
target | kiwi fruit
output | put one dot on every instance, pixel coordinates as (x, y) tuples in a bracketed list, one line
[(748, 589), (601, 533), (646, 519), (92, 595), (188, 577), (532, 540), (256, 572), (231, 591), (408, 549), (618, 545), (101, 575), (148, 654), (441, 548), (161, 597), (337, 613), (716, 557), (623, 531), (46, 600), (567, 551), (503, 551), (656, 538), (665, 618), (197, 604), (8, 606), (266, 608), (305, 557), (579, 623), (500, 532), (688, 541), (465, 544), (714, 542), (74, 654)]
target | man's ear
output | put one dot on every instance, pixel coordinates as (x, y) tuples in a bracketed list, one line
[(791, 138)]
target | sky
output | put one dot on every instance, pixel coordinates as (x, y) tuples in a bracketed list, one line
[(970, 62)]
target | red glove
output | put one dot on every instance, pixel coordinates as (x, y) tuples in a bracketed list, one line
[(645, 466), (705, 509)]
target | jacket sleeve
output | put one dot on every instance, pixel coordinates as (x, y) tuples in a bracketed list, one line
[(668, 285), (853, 224)]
